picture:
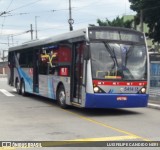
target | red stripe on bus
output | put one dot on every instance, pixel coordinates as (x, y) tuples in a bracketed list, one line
[(120, 83)]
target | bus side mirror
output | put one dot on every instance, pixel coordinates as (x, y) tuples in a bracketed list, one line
[(86, 52)]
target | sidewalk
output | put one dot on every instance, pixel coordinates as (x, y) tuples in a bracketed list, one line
[(154, 98), (3, 75), (154, 103)]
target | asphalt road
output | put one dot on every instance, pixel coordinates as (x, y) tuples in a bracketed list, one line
[(35, 118)]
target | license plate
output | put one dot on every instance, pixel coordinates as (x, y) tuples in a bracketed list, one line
[(131, 89)]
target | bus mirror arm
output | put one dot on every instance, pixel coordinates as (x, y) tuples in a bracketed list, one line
[(86, 52)]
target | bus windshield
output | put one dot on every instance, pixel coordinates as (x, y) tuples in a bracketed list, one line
[(118, 61)]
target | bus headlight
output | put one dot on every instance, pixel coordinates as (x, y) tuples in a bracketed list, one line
[(143, 90), (96, 89)]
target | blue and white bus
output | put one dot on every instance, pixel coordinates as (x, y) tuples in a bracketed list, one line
[(95, 67)]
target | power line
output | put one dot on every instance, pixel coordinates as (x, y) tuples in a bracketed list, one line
[(59, 27), (4, 43), (25, 5), (9, 5), (28, 13), (2, 25), (54, 10), (7, 12), (17, 34)]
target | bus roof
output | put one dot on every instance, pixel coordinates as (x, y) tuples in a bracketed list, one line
[(67, 36), (56, 38)]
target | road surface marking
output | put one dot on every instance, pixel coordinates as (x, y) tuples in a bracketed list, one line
[(7, 148), (112, 138), (75, 142), (108, 126), (6, 92)]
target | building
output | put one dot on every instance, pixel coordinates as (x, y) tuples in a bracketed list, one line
[(4, 67), (4, 62)]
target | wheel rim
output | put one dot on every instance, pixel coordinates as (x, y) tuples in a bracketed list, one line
[(23, 90), (62, 97), (17, 86)]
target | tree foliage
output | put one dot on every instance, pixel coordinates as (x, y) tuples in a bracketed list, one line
[(151, 15), (117, 22)]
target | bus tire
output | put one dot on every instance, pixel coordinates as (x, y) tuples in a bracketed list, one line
[(17, 85), (61, 97), (23, 91)]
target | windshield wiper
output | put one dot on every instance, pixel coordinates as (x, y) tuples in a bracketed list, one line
[(114, 58), (112, 53), (127, 72)]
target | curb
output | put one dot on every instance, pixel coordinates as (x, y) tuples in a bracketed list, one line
[(155, 106), (3, 75)]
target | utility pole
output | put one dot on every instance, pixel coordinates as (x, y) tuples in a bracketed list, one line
[(36, 27), (3, 55), (70, 21), (8, 41), (10, 37), (141, 20), (12, 40), (31, 32)]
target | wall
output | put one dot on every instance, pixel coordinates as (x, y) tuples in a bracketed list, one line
[(4, 67)]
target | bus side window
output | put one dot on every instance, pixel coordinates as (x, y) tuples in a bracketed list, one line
[(22, 59), (30, 59), (64, 60), (43, 63), (26, 59)]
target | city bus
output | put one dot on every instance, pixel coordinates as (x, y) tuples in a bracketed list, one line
[(94, 67), (154, 70)]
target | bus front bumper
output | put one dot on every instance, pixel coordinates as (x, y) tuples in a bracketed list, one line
[(116, 100)]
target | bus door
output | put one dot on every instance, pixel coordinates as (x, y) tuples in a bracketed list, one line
[(36, 71), (11, 64), (77, 72)]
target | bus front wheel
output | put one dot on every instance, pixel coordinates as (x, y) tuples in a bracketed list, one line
[(61, 97), (17, 85)]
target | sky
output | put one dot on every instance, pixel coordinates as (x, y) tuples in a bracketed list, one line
[(51, 17)]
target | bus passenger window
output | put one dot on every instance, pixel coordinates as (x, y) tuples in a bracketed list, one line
[(25, 59), (43, 64)]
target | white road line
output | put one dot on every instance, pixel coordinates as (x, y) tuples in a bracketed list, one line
[(14, 90), (6, 92), (3, 79)]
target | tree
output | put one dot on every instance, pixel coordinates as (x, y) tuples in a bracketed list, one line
[(150, 10), (117, 22)]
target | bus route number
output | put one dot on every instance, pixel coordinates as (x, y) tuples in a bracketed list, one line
[(130, 89)]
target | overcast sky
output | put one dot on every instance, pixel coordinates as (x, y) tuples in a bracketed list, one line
[(52, 17)]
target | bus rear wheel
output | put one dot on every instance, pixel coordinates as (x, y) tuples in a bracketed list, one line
[(23, 91), (61, 97)]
